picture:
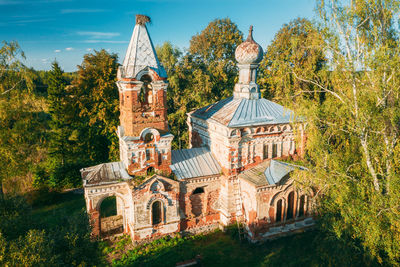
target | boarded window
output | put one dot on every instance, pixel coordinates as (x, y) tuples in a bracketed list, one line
[(290, 207), (148, 155), (265, 151), (274, 150), (301, 206), (278, 211), (156, 212)]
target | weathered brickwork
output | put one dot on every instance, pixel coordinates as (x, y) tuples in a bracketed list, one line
[(233, 176)]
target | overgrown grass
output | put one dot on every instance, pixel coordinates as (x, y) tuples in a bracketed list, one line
[(218, 248), (49, 210), (224, 249)]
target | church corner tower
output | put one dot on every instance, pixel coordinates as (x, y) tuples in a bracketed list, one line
[(145, 141)]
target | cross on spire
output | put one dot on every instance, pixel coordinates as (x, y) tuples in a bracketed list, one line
[(250, 36)]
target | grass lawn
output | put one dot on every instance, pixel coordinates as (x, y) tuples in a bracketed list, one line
[(216, 249), (51, 211)]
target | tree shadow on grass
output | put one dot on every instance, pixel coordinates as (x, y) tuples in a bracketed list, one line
[(312, 248)]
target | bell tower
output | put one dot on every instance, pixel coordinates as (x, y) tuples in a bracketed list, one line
[(145, 141)]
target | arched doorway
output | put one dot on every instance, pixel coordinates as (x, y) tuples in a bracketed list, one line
[(156, 212), (302, 205), (278, 216), (290, 207), (111, 216)]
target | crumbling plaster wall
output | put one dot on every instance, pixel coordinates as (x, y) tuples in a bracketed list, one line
[(200, 210), (94, 195), (155, 189)]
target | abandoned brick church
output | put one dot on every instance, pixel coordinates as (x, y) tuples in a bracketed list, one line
[(231, 173)]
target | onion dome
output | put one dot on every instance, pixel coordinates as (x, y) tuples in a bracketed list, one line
[(249, 52)]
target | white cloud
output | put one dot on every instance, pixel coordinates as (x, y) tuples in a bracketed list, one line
[(108, 49), (69, 48), (104, 41), (96, 35), (81, 10), (57, 51), (89, 49)]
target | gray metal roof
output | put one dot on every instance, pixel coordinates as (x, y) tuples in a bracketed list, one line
[(104, 173), (194, 162), (141, 54), (269, 172), (276, 171), (241, 112)]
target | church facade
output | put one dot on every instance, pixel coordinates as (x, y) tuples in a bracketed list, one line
[(232, 173)]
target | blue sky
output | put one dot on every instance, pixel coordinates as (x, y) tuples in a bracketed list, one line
[(67, 29)]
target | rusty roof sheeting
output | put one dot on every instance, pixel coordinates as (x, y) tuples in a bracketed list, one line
[(104, 173), (194, 162), (242, 112)]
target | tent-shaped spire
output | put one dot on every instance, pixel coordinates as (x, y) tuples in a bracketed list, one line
[(141, 52)]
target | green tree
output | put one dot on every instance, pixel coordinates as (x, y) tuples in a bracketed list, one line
[(95, 97), (353, 145), (21, 120), (204, 75), (297, 50), (60, 159)]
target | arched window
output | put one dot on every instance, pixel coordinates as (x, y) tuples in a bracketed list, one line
[(301, 205), (150, 171), (156, 212), (290, 207), (149, 137), (274, 150), (145, 90), (265, 151), (198, 190), (278, 216)]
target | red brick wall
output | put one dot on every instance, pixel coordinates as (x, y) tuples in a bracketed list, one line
[(132, 110)]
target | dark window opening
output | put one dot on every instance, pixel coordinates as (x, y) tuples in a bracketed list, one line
[(150, 171), (149, 137), (274, 150), (279, 210), (290, 207), (156, 212), (301, 206), (265, 151), (243, 132), (198, 190), (148, 154), (146, 91)]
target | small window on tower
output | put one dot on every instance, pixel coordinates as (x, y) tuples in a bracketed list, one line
[(148, 154), (146, 89), (149, 137)]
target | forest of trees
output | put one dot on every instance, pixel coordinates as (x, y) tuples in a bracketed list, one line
[(340, 72)]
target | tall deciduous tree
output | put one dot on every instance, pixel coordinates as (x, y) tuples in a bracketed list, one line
[(20, 118), (204, 75), (297, 49), (353, 136), (95, 97)]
